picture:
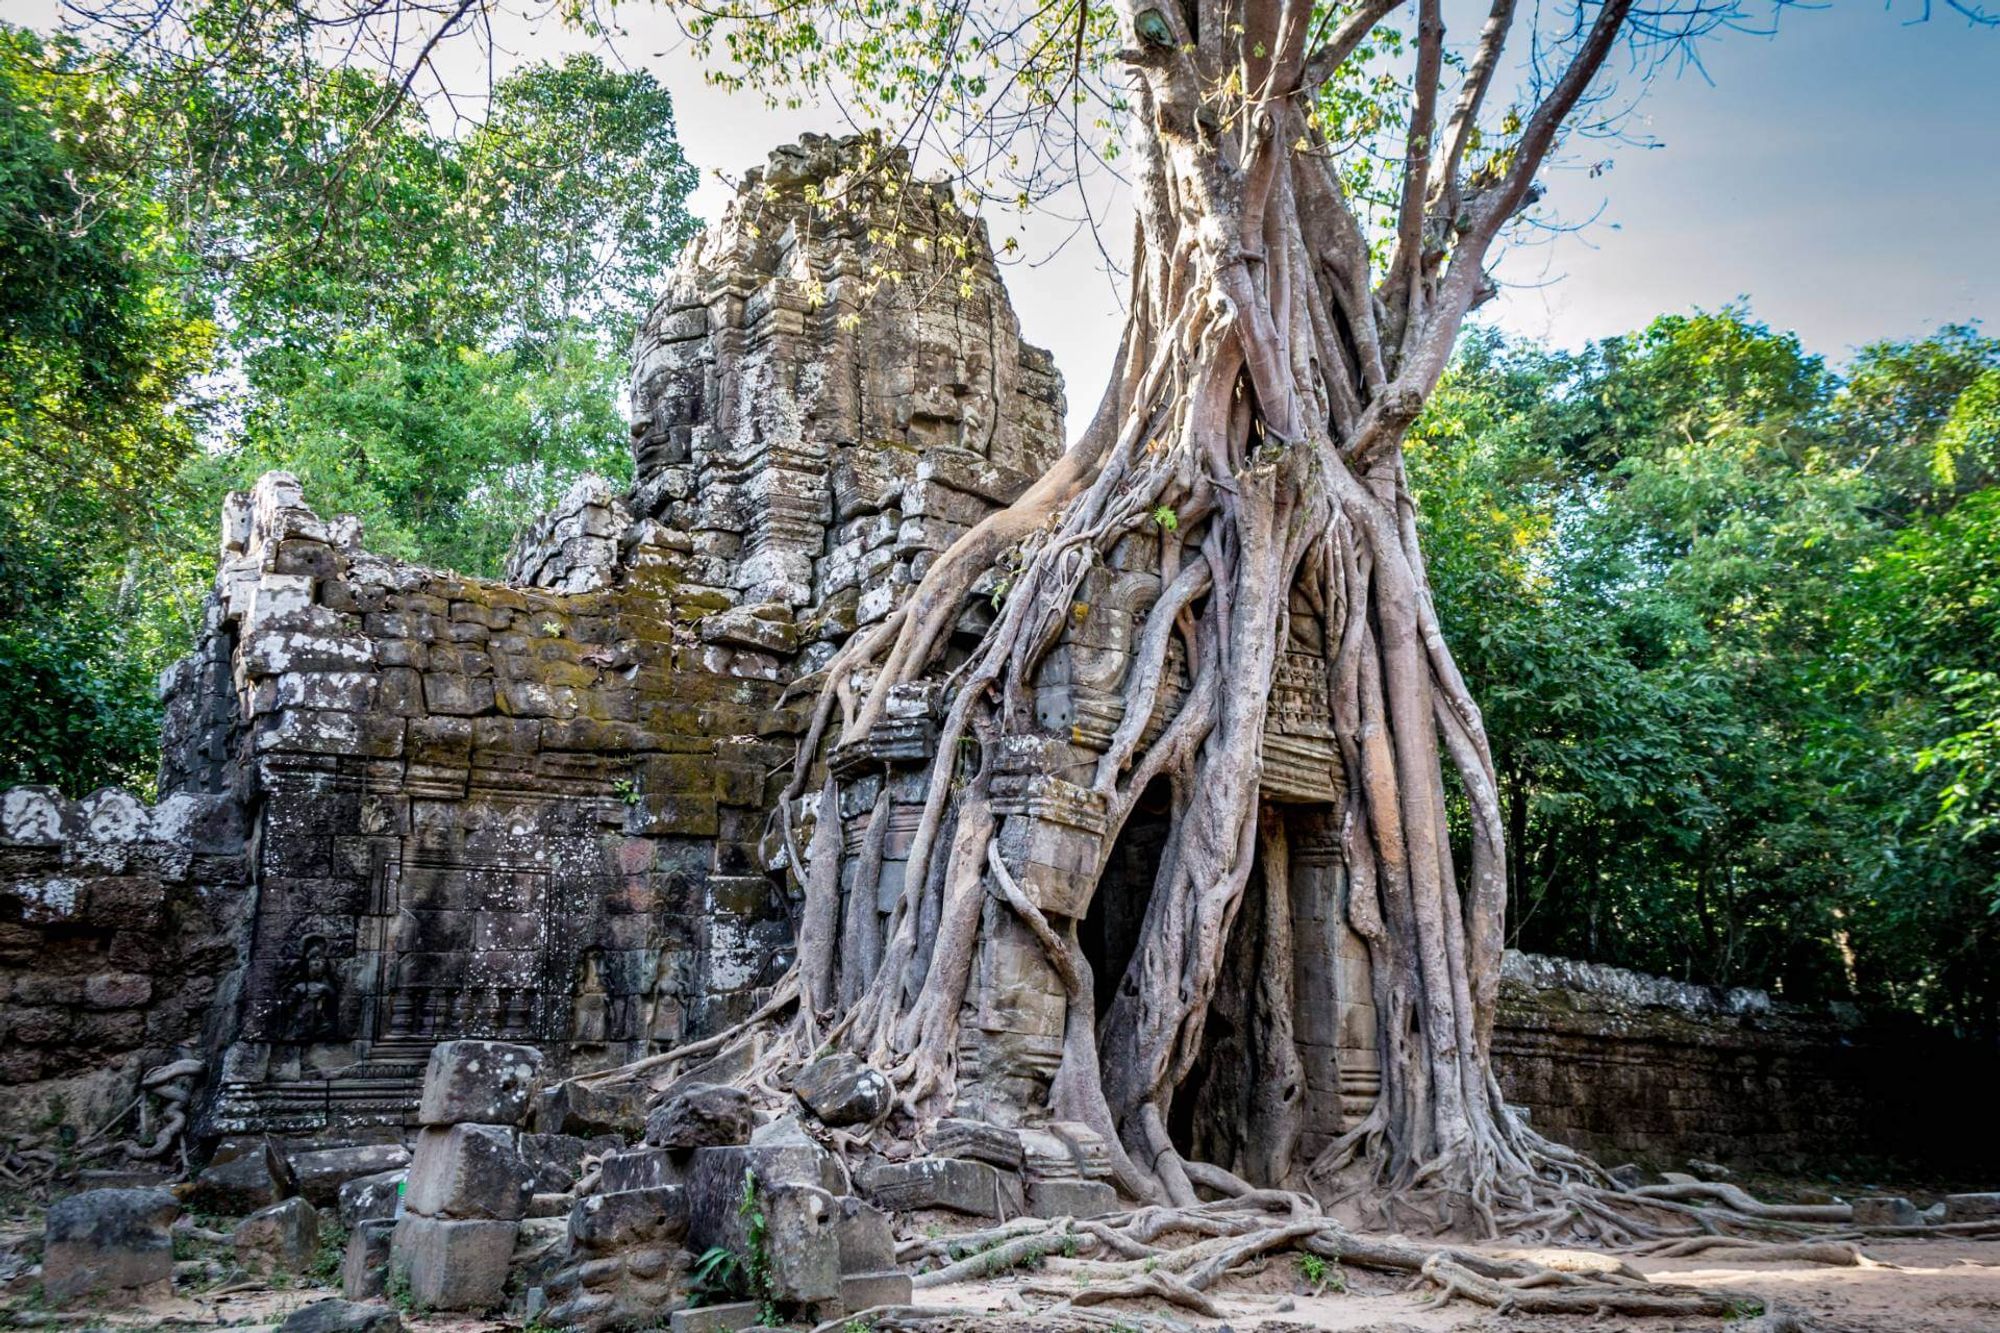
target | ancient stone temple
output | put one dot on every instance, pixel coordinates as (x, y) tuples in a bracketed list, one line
[(399, 807)]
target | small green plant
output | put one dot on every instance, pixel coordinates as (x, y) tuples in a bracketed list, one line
[(325, 1265), (398, 1292), (716, 1278), (1168, 520), (1312, 1268), (1746, 1309), (627, 789), (551, 629), (856, 1326), (757, 1264)]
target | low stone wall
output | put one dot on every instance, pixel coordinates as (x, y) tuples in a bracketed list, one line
[(1628, 1066), (117, 926)]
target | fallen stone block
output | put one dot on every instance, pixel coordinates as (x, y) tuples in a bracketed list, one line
[(557, 1159), (322, 1174), (283, 1238), (801, 1243), (364, 1269), (958, 1184), (1071, 1198), (865, 1291), (1064, 1150), (571, 1108), (605, 1222), (1886, 1212), (371, 1198), (731, 1318), (642, 1168), (243, 1176), (109, 1247), (469, 1172), (841, 1090), (341, 1316), (1971, 1207), (705, 1115), (867, 1242), (478, 1083), (452, 1265)]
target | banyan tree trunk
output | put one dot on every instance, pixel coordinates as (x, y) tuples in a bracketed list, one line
[(1254, 430)]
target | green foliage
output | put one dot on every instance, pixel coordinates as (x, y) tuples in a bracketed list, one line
[(716, 1278), (429, 329), (1733, 631), (757, 1263)]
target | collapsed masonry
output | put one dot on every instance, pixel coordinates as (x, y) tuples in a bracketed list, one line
[(401, 808)]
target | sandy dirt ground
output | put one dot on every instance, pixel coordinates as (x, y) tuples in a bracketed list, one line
[(1921, 1287)]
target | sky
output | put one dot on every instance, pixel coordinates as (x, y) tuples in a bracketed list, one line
[(1842, 177)]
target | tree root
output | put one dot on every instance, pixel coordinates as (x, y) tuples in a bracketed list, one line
[(1236, 1233)]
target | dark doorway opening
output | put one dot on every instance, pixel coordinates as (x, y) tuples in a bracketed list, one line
[(1109, 932)]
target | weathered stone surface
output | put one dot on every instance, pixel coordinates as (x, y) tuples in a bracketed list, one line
[(479, 1082), (642, 1168), (557, 1159), (841, 1090), (1971, 1207), (1886, 1212), (469, 1171), (731, 1318), (342, 1316), (371, 1198), (867, 1243), (572, 1108), (364, 1268), (322, 1174), (955, 1183), (453, 1265), (282, 1238), (243, 1176), (109, 1247), (1071, 1198), (702, 1116), (866, 1291), (605, 1222)]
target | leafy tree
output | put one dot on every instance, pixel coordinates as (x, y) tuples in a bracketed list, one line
[(203, 278), (1731, 629), (102, 330)]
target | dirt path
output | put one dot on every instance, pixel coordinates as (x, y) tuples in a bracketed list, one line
[(1933, 1287)]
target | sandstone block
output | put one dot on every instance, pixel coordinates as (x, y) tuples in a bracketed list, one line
[(364, 1269), (1886, 1212), (841, 1090), (1071, 1198), (478, 1082), (867, 1243), (338, 1316), (371, 1198), (716, 1318), (642, 1168), (954, 1183), (323, 1174), (469, 1171), (453, 1265), (606, 1222), (283, 1238), (1971, 1207), (243, 1176), (865, 1291), (109, 1247), (703, 1115)]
